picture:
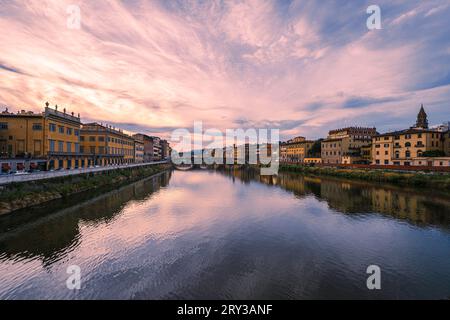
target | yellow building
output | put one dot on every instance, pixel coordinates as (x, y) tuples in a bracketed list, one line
[(106, 145), (295, 150), (345, 145), (404, 146), (47, 140), (312, 160)]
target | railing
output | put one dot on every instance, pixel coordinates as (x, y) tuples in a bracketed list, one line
[(10, 178)]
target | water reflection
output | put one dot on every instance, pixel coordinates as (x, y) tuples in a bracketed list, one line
[(417, 206), (48, 236), (230, 235)]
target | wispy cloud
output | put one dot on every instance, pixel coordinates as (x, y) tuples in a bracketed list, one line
[(302, 66)]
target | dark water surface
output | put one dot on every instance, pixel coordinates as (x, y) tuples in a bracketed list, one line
[(201, 234)]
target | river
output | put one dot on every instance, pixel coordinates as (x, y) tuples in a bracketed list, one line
[(231, 235)]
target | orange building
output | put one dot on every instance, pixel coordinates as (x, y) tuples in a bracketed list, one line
[(47, 140), (106, 145)]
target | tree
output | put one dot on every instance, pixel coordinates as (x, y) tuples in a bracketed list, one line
[(316, 149)]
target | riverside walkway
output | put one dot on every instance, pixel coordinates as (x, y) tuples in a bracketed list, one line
[(42, 175)]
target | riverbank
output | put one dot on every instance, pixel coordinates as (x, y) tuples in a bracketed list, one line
[(16, 196), (416, 179)]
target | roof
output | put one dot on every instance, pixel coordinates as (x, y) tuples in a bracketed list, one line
[(406, 131), (333, 139), (298, 142), (103, 128), (352, 129)]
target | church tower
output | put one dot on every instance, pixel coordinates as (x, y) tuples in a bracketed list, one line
[(422, 121)]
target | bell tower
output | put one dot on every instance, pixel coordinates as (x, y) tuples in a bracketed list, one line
[(422, 121)]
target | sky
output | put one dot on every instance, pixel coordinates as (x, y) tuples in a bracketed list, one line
[(301, 66)]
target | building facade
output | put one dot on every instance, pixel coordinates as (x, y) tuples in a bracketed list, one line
[(344, 145), (152, 147), (295, 150), (404, 147), (165, 150), (138, 151), (106, 145), (48, 140)]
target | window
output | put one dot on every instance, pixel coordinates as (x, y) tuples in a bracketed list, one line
[(91, 138), (60, 146), (419, 153), (92, 149), (77, 132), (408, 144), (407, 136), (408, 154), (101, 139), (419, 135), (77, 147), (52, 127), (81, 149), (397, 154), (69, 131), (377, 161), (386, 161), (37, 147), (386, 145), (101, 150), (82, 138), (386, 152), (61, 129), (69, 146), (3, 126), (37, 127), (52, 145)]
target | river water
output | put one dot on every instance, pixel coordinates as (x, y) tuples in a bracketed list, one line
[(234, 235)]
